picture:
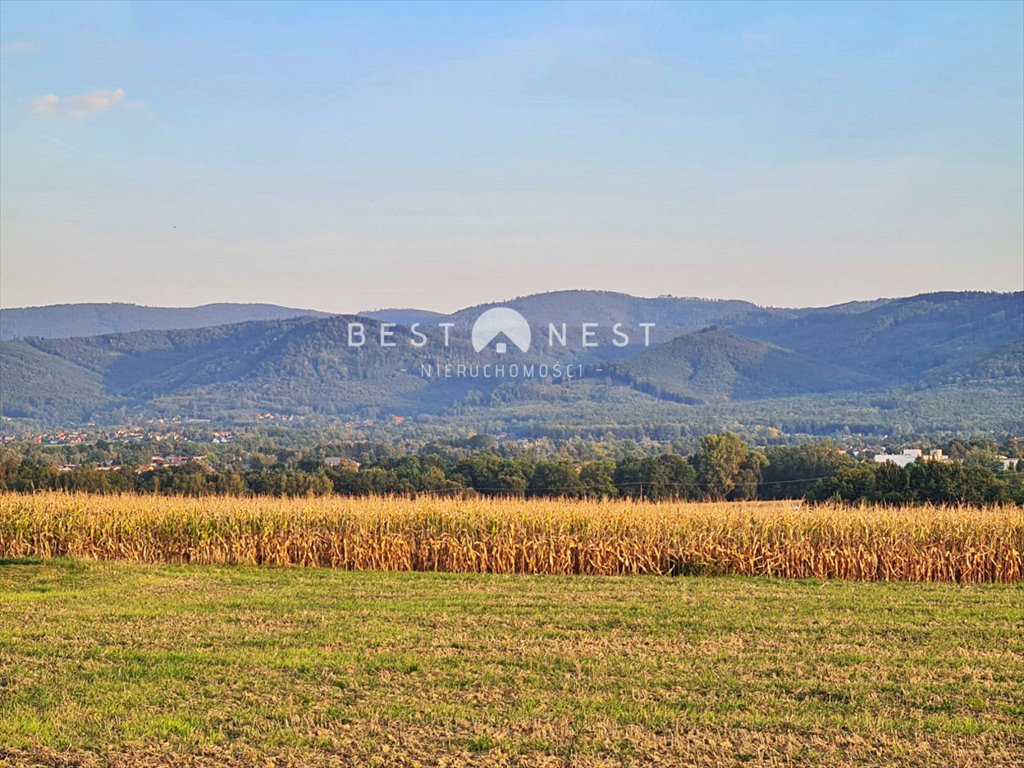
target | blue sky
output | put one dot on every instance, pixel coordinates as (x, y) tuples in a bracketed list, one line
[(347, 157)]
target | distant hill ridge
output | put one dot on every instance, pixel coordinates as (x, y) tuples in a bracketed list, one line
[(900, 339), (672, 314), (713, 364), (705, 353), (59, 321)]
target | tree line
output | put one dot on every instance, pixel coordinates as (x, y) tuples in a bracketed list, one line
[(723, 468)]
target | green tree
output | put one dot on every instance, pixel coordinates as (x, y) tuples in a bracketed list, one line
[(892, 484), (792, 470), (672, 477), (555, 478), (982, 456), (749, 477), (726, 468), (848, 483), (598, 479), (10, 460)]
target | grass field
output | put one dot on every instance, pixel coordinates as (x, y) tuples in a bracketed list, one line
[(916, 543), (141, 665)]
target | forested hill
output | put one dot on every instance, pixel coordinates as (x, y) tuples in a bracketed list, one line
[(672, 315), (713, 364), (59, 321), (955, 355), (902, 339)]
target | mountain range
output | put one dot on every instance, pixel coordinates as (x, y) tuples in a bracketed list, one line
[(941, 360)]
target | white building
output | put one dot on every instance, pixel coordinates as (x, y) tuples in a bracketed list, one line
[(899, 459)]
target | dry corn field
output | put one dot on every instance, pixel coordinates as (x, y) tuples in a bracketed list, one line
[(921, 543)]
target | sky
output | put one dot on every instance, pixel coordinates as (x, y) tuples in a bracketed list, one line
[(346, 157)]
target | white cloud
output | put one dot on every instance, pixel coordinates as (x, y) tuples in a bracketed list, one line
[(81, 104), (14, 47)]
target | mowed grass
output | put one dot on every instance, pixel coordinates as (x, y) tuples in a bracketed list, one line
[(132, 664)]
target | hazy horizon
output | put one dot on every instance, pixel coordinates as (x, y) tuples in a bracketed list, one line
[(346, 157), (499, 299)]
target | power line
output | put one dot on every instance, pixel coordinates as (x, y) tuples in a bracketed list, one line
[(633, 484)]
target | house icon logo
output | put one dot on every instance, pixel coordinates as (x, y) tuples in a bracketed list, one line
[(501, 321)]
